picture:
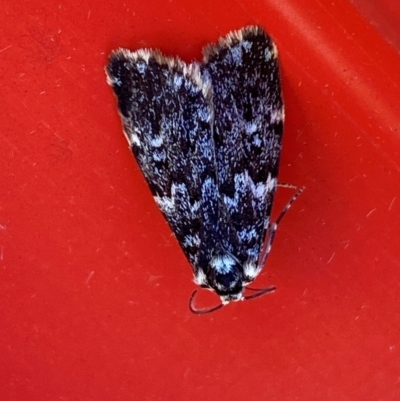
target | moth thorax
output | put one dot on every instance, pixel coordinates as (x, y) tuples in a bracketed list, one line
[(223, 263)]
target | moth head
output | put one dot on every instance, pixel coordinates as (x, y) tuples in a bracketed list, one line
[(224, 276), (228, 279)]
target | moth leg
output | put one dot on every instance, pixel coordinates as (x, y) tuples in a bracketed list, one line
[(286, 185), (271, 230)]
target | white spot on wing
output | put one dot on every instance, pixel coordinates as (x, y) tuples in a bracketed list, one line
[(157, 141), (200, 278), (271, 183), (247, 45), (205, 114), (277, 116), (237, 54), (131, 133), (268, 54), (165, 204), (260, 190), (251, 270), (141, 66), (251, 127), (177, 81), (159, 155), (257, 140), (191, 240), (134, 139), (246, 234)]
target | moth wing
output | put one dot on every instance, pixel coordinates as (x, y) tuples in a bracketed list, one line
[(167, 116), (248, 126)]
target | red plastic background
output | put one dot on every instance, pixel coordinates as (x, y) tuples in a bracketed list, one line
[(94, 289)]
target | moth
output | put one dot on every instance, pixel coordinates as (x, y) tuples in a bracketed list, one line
[(207, 137)]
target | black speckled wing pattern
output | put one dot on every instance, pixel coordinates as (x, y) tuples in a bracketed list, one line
[(207, 137)]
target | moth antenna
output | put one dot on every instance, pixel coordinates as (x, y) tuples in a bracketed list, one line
[(260, 292), (193, 309), (274, 226)]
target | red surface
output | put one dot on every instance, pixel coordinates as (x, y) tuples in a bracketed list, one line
[(93, 287)]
